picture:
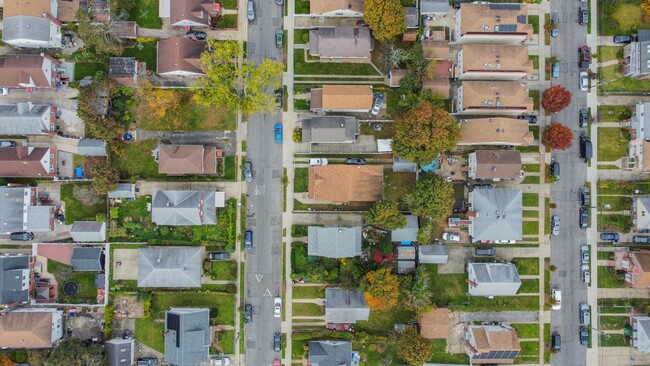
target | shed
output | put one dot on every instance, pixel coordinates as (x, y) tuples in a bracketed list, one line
[(88, 231), (433, 254), (88, 259), (404, 166), (407, 234)]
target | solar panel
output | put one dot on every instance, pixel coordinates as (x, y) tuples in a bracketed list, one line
[(505, 6), (505, 28)]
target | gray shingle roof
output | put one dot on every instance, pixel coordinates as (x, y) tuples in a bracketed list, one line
[(122, 66), (171, 267), (408, 233), (100, 280), (119, 351), (88, 231), (11, 282), (345, 306), (330, 129), (123, 190), (87, 259), (24, 119), (11, 208), (411, 17), (25, 27), (493, 279), (330, 353), (38, 218), (334, 242), (498, 212), (342, 41), (434, 6), (433, 254), (90, 147), (182, 208), (187, 337)]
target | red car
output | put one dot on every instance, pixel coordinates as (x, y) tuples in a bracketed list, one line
[(584, 57), (277, 363)]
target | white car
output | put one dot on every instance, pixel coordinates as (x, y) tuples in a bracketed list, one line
[(584, 81), (585, 273), (584, 254), (318, 161), (4, 91), (450, 237), (555, 225), (277, 307), (220, 361), (557, 295)]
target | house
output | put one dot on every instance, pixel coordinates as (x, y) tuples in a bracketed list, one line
[(125, 29), (494, 62), (27, 119), (495, 131), (180, 57), (31, 24), (330, 130), (636, 264), (28, 328), (334, 242), (342, 98), (15, 278), (412, 17), (395, 76), (170, 267), (24, 161), (494, 164), (636, 56), (640, 340), (340, 43), (403, 166), (187, 336), (19, 210), (29, 71), (638, 150), (641, 213), (433, 254), (493, 98), (493, 279), (187, 13), (119, 351), (187, 159), (123, 70), (407, 234), (346, 183), (331, 353), (491, 344), (123, 190), (492, 23), (439, 86), (88, 259), (67, 10), (345, 306), (495, 215), (435, 49), (91, 147), (434, 7), (184, 208), (88, 231), (406, 259), (336, 8), (434, 324)]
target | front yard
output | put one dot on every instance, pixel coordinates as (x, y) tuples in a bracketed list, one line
[(612, 143), (302, 67), (611, 79), (622, 17), (614, 113), (146, 52)]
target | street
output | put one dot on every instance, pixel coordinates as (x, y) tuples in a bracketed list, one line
[(264, 201), (565, 247)]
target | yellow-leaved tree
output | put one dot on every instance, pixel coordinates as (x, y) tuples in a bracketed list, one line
[(386, 18)]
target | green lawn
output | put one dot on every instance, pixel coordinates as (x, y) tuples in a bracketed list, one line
[(307, 309), (150, 332), (301, 67), (527, 266), (222, 306), (616, 203), (608, 53), (547, 343), (614, 113), (534, 21), (383, 322), (529, 286), (145, 13), (530, 213), (612, 310), (612, 144), (309, 292), (530, 180), (227, 21), (447, 289), (620, 223), (138, 161), (614, 340), (397, 184), (629, 18), (227, 341), (300, 180), (530, 200), (81, 202), (86, 280), (144, 52), (502, 303), (302, 7), (224, 270), (535, 95), (531, 168), (439, 354), (229, 4), (615, 187), (83, 69), (300, 36), (614, 322), (614, 81), (608, 279), (547, 34), (529, 353), (530, 227), (526, 330)]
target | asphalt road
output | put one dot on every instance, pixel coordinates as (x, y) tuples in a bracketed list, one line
[(264, 211), (565, 247)]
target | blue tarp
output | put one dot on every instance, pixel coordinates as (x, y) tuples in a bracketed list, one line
[(79, 172), (435, 164)]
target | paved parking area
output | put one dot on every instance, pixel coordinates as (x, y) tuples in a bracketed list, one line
[(87, 324), (125, 264), (458, 257)]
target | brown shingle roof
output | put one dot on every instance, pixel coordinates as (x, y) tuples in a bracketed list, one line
[(180, 54), (193, 10), (23, 161), (435, 49), (346, 183), (646, 156), (495, 164), (494, 338), (497, 130), (443, 68), (26, 330), (342, 97), (67, 10), (439, 85), (496, 58), (410, 36), (396, 75), (325, 6), (34, 8), (187, 159), (496, 94), (483, 18), (641, 260), (24, 69), (434, 324)]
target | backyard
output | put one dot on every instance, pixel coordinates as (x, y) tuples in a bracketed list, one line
[(81, 202), (397, 184), (146, 52), (86, 280), (83, 69), (145, 13), (612, 143)]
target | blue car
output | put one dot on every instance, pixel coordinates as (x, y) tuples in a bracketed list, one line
[(556, 69), (278, 133), (248, 240)]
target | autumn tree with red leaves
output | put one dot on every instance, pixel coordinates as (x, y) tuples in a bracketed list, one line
[(557, 136), (556, 98), (381, 289)]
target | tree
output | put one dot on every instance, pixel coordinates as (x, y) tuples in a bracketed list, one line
[(557, 136), (431, 197), (423, 133), (98, 35), (414, 349), (381, 289), (419, 295), (385, 214), (235, 84), (74, 352), (157, 106), (6, 361), (105, 177), (556, 98), (391, 56), (386, 18), (645, 6)]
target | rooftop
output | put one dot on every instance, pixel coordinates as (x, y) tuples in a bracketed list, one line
[(334, 242), (183, 208), (330, 129), (345, 306), (170, 267), (180, 55), (353, 42), (496, 58), (496, 214), (497, 164), (496, 95), (494, 18), (326, 6), (187, 159), (408, 233), (496, 130), (346, 183), (342, 97)]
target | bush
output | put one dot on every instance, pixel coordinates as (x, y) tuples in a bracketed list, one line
[(100, 217), (297, 135)]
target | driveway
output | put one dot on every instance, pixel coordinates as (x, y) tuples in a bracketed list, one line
[(458, 257), (328, 219), (231, 189), (225, 140), (125, 264), (501, 316)]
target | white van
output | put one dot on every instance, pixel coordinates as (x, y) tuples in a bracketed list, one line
[(557, 295)]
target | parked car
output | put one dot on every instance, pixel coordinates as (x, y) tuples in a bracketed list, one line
[(7, 143), (248, 239), (279, 94), (248, 171), (277, 307), (278, 133), (277, 363), (556, 341), (555, 24), (378, 103), (584, 57), (623, 39), (450, 237), (22, 236), (4, 91), (585, 316), (584, 253), (586, 149), (583, 15), (584, 81), (585, 196), (248, 314), (251, 11), (584, 217), (555, 170), (639, 239), (485, 252), (318, 161), (555, 225), (556, 69), (557, 295), (218, 256), (613, 237), (584, 118), (279, 2), (531, 119), (585, 274), (147, 361), (277, 342), (355, 161), (196, 35), (584, 335), (220, 361), (279, 38)]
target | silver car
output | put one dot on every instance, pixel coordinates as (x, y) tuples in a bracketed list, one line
[(584, 81), (251, 10), (555, 225)]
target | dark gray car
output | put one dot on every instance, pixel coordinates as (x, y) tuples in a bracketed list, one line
[(277, 342), (22, 236), (279, 38)]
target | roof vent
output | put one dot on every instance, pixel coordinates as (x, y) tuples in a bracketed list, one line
[(182, 268), (349, 6), (494, 169), (498, 102)]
